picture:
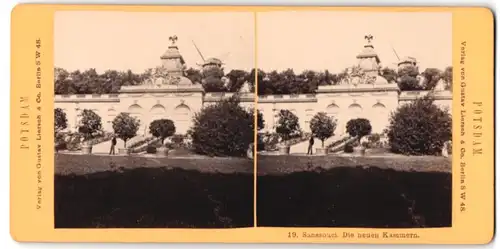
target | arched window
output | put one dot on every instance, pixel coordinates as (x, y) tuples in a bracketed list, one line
[(157, 112), (379, 119), (355, 110), (182, 118), (309, 116), (136, 111), (378, 107), (111, 116), (332, 110), (135, 108)]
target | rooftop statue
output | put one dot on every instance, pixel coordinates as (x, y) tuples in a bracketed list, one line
[(173, 39)]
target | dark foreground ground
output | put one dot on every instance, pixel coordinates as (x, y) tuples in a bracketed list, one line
[(402, 192), (125, 192)]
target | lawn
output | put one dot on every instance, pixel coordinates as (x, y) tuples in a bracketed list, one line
[(137, 192), (392, 192)]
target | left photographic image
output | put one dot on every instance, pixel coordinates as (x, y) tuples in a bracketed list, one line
[(154, 119)]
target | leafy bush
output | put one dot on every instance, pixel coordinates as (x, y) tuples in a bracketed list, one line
[(268, 141), (322, 126), (374, 138), (151, 149), (90, 124), (449, 147), (260, 120), (419, 128), (288, 125), (162, 128), (60, 120), (125, 127), (373, 141), (73, 141), (431, 78), (222, 129), (177, 139), (348, 148), (358, 127), (60, 143)]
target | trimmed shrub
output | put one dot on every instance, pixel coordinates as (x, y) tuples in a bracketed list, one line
[(222, 129), (288, 125), (419, 128), (322, 127), (359, 127), (90, 124), (162, 128), (125, 127), (151, 149), (348, 148)]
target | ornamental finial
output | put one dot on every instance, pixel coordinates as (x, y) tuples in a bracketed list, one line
[(369, 38), (173, 39)]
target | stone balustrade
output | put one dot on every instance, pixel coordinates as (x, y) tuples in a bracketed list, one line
[(287, 98), (87, 98), (218, 96)]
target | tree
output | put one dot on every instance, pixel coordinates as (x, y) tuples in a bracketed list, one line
[(431, 78), (358, 127), (288, 124), (260, 119), (125, 127), (407, 80), (322, 126), (408, 70), (419, 128), (223, 129), (212, 80), (62, 81), (60, 120), (162, 128), (90, 124), (448, 78), (194, 75), (408, 83), (236, 79), (389, 74)]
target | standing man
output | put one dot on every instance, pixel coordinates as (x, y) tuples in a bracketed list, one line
[(113, 144), (311, 143)]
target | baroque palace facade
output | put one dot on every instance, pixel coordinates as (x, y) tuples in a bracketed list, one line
[(363, 94), (169, 94)]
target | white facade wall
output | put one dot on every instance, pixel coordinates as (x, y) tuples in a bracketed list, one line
[(178, 107), (342, 105)]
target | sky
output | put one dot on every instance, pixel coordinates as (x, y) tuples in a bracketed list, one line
[(331, 40), (286, 39), (133, 40)]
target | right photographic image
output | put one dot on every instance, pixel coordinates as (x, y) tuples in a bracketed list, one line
[(355, 119)]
